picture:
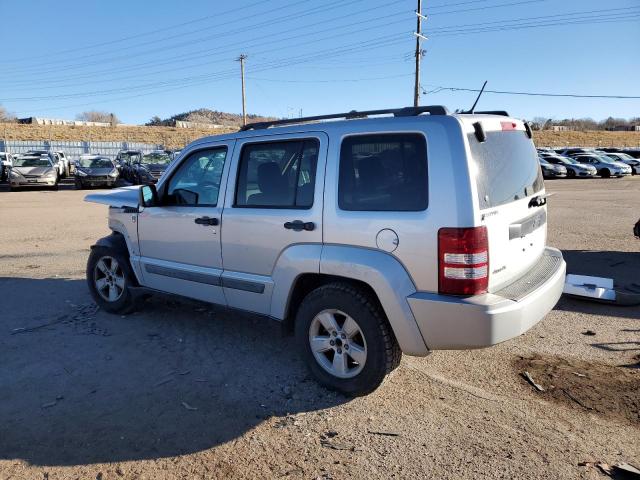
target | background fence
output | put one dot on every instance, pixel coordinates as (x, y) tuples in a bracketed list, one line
[(74, 149)]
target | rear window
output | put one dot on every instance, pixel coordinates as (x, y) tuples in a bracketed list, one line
[(507, 168), (383, 172)]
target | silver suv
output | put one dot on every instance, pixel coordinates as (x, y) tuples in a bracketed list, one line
[(367, 237)]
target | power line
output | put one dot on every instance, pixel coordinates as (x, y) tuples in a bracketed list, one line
[(534, 94)]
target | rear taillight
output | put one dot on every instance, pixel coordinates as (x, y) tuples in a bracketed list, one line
[(506, 126), (463, 257)]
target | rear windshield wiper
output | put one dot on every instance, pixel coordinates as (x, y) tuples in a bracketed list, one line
[(539, 200)]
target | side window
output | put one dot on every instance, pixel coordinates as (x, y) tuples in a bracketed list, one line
[(385, 172), (277, 174), (197, 180)]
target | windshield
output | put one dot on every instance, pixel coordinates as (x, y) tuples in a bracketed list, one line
[(156, 159), (31, 162), (133, 156), (95, 163), (507, 168)]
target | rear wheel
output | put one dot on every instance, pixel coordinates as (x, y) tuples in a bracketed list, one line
[(345, 338), (109, 277), (605, 173)]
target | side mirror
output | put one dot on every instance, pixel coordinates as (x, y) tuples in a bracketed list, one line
[(148, 196)]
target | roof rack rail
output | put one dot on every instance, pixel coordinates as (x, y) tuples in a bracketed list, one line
[(494, 112), (397, 112)]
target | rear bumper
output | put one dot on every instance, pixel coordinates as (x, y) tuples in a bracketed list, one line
[(448, 322)]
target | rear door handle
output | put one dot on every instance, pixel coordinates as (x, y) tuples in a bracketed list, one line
[(299, 225), (206, 221)]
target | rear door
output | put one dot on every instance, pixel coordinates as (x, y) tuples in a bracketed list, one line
[(508, 177), (274, 200)]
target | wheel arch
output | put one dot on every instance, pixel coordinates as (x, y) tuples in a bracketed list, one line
[(378, 273)]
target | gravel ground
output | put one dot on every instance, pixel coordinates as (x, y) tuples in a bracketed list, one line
[(184, 390)]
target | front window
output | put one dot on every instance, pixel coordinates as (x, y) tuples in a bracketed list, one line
[(197, 179), (507, 169), (95, 163), (31, 162), (156, 159)]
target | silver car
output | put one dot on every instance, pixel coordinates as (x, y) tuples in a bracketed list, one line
[(574, 168), (627, 159), (353, 234), (605, 166), (33, 171)]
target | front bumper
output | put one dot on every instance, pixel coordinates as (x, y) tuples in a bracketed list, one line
[(32, 182), (96, 182), (456, 323)]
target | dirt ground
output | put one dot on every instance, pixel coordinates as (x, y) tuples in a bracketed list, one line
[(184, 390)]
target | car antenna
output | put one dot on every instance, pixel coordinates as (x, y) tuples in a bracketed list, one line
[(477, 98)]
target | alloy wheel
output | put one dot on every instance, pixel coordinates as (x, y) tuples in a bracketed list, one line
[(108, 278), (337, 343)]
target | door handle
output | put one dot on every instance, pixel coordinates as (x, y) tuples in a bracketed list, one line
[(299, 225), (206, 221)]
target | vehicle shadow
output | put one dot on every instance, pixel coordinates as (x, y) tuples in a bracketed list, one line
[(65, 184), (81, 386), (623, 267)]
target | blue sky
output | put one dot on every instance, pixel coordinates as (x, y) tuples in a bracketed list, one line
[(139, 59)]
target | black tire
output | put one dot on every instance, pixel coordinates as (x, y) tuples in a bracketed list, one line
[(383, 353), (78, 184), (571, 173), (605, 173), (125, 303)]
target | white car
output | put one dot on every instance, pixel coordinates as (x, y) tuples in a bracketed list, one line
[(353, 234), (606, 166), (627, 159), (6, 161)]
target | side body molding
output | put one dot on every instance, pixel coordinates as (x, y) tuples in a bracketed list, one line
[(390, 281)]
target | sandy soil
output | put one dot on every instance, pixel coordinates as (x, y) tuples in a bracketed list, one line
[(184, 390)]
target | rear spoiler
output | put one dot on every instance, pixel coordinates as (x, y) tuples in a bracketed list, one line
[(494, 112)]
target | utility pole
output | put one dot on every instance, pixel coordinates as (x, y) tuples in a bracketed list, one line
[(419, 53), (241, 59)]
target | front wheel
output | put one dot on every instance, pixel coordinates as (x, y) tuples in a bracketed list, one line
[(109, 278), (345, 338), (605, 173)]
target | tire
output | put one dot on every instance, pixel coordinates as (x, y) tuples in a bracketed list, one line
[(605, 173), (571, 173), (347, 305), (78, 184), (119, 280)]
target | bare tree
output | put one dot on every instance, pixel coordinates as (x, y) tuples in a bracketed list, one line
[(97, 116), (5, 116)]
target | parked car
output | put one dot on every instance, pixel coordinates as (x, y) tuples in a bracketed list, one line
[(124, 161), (149, 168), (549, 170), (570, 152), (33, 171), (6, 160), (573, 167), (626, 159), (634, 152), (347, 232), (606, 167), (68, 164), (56, 160), (95, 171)]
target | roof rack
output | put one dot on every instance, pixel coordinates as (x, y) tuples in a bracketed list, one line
[(494, 112), (397, 112)]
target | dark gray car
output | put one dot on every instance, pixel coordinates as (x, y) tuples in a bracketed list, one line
[(95, 171)]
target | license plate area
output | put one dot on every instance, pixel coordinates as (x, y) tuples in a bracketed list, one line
[(528, 225)]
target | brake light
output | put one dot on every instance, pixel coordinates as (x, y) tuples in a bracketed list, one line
[(463, 257), (508, 126)]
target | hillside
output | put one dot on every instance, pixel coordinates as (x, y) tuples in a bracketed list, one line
[(204, 115), (173, 137)]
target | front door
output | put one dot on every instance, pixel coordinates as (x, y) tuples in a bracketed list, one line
[(180, 239), (274, 200)]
